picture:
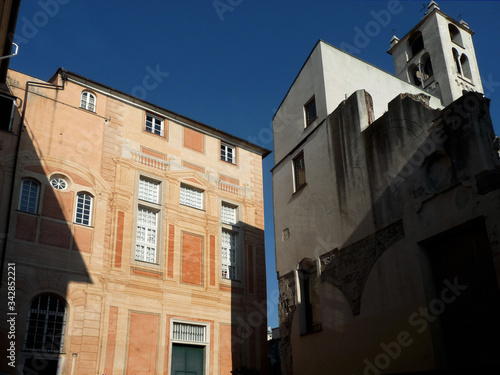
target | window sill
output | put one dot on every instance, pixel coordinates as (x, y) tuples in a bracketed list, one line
[(195, 208), (156, 135), (87, 110), (228, 162), (84, 225), (311, 123), (467, 80), (152, 272), (28, 213), (315, 329), (300, 188)]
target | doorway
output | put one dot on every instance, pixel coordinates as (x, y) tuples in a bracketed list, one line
[(187, 359)]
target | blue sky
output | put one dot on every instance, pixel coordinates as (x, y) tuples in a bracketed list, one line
[(227, 63)]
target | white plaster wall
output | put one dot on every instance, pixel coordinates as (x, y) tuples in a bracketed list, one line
[(345, 74), (332, 75)]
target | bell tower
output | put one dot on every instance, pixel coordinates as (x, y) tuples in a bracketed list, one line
[(438, 56)]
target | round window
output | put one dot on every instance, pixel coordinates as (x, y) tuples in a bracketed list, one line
[(58, 183)]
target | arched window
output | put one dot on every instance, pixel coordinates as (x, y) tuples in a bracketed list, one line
[(309, 294), (414, 75), (28, 197), (455, 35), (464, 62), (83, 211), (457, 61), (46, 324), (426, 66), (87, 101), (416, 43)]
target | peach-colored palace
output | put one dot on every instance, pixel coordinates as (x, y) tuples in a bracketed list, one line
[(136, 234)]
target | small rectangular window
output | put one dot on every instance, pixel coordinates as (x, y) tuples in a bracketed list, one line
[(149, 190), (189, 332), (87, 101), (310, 111), (6, 113), (155, 125), (227, 153), (299, 171), (191, 197), (228, 214)]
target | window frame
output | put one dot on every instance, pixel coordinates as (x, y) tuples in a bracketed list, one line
[(153, 131), (205, 345), (227, 147), (296, 176), (12, 111), (85, 103), (230, 206), (227, 261), (156, 207), (90, 209), (147, 228), (308, 120), (37, 198), (62, 328), (192, 189)]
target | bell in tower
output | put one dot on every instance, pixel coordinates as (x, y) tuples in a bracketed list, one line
[(438, 56)]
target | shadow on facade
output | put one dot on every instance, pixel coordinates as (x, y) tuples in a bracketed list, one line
[(45, 257), (249, 309), (417, 198)]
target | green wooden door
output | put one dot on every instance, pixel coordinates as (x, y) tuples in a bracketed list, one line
[(187, 360)]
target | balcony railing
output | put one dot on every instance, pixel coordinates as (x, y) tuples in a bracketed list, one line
[(163, 165)]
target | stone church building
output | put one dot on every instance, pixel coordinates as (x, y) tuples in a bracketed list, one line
[(387, 218)]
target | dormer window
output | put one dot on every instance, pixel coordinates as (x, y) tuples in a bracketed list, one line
[(87, 101)]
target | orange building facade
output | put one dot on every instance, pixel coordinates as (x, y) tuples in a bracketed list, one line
[(135, 235)]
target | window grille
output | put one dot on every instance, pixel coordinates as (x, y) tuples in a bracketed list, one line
[(191, 197), (228, 214), (228, 255), (83, 208), (145, 248), (58, 183), (149, 190), (28, 200), (46, 324), (189, 332)]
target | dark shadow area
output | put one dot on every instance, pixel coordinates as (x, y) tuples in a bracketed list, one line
[(415, 193), (43, 252), (249, 350)]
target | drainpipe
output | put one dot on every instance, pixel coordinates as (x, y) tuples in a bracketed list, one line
[(12, 54), (14, 170)]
